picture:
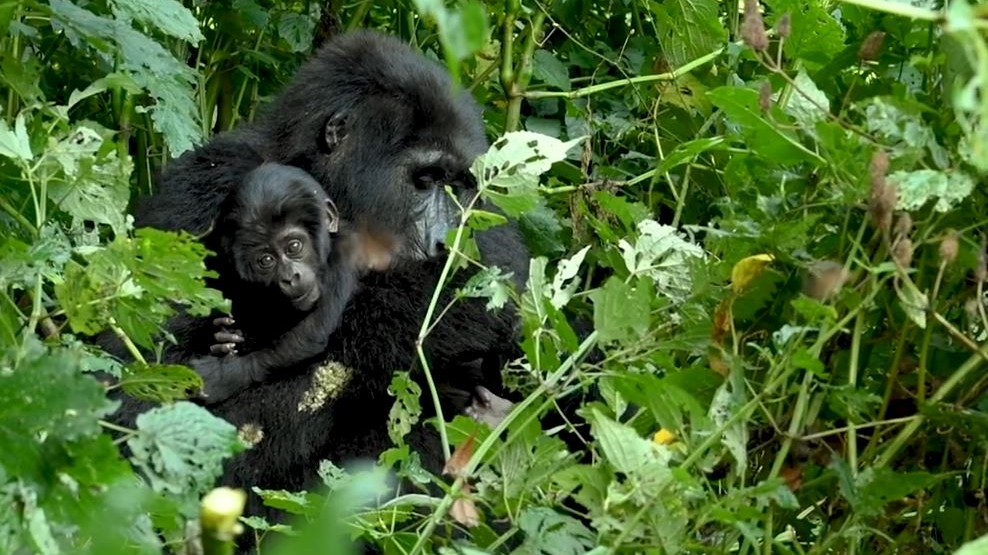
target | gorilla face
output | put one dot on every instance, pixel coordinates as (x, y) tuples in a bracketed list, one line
[(385, 132)]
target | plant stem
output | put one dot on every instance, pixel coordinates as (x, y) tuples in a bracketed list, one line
[(593, 89)]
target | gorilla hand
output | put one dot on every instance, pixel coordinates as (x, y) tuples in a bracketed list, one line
[(226, 339), (220, 380), (488, 407)]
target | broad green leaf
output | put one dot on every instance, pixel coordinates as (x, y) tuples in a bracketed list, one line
[(814, 311), (901, 127), (252, 11), (914, 303), (873, 488), (809, 105), (550, 533), (762, 136), (620, 311), (623, 448), (161, 383), (917, 187), (170, 16), (15, 144), (297, 30), (550, 70), (688, 29), (180, 448), (296, 503), (816, 38), (508, 174), (542, 230), (48, 402), (974, 547)]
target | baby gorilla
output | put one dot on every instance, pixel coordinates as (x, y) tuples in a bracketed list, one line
[(287, 280)]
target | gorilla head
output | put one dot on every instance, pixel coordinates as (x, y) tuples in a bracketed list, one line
[(384, 130)]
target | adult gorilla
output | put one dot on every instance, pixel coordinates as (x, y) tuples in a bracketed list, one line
[(383, 130)]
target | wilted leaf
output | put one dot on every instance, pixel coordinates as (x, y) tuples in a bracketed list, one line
[(564, 283), (747, 269)]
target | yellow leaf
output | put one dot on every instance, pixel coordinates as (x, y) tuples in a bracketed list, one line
[(664, 437), (748, 269)]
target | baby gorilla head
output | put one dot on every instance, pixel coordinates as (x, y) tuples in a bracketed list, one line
[(277, 233)]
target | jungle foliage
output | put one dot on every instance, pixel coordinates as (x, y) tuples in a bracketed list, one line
[(769, 211)]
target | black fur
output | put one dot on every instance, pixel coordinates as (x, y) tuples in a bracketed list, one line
[(276, 205), (383, 130)]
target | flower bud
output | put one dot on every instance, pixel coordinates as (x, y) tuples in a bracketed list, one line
[(871, 45), (753, 28), (902, 252), (948, 247), (784, 26), (765, 96)]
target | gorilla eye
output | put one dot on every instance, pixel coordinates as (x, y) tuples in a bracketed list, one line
[(294, 247), (265, 261), (426, 178)]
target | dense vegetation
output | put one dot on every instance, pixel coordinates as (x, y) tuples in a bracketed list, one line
[(768, 211)]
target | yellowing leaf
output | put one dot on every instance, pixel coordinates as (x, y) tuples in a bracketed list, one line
[(748, 269), (664, 437)]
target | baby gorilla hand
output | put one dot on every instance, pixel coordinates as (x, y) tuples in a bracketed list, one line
[(220, 379), (226, 339)]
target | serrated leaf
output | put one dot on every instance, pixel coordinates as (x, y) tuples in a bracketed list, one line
[(550, 533), (296, 503), (918, 187), (15, 144), (252, 11), (816, 37), (406, 409), (490, 283), (47, 401), (814, 311), (169, 16), (550, 70), (763, 137), (661, 254), (623, 448), (180, 448)]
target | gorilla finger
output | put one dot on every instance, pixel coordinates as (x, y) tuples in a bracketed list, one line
[(228, 337), (223, 321), (223, 349)]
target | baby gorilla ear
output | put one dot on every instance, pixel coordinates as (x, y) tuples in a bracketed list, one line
[(335, 131), (331, 217)]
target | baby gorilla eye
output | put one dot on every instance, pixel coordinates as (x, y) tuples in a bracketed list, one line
[(265, 261), (294, 247)]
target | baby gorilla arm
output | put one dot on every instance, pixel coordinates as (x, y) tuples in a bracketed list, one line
[(223, 377)]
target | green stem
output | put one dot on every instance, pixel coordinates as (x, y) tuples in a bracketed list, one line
[(669, 76)]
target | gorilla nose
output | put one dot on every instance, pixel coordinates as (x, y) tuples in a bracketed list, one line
[(290, 282)]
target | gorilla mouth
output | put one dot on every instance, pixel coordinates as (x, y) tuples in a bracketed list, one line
[(306, 300)]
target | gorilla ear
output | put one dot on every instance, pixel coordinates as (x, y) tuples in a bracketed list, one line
[(335, 131), (332, 216)]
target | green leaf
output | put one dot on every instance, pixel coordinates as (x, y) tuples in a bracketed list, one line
[(508, 174), (918, 187), (296, 503), (542, 230), (564, 283), (816, 36), (687, 152), (623, 448), (48, 402), (974, 547), (161, 383), (181, 447), (406, 409), (490, 283), (914, 303), (810, 104), (873, 488), (661, 254), (550, 70), (15, 144), (169, 16), (551, 533), (688, 29), (297, 30), (621, 312), (763, 137), (252, 11), (814, 311)]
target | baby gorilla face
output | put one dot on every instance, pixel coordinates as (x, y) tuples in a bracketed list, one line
[(289, 261)]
